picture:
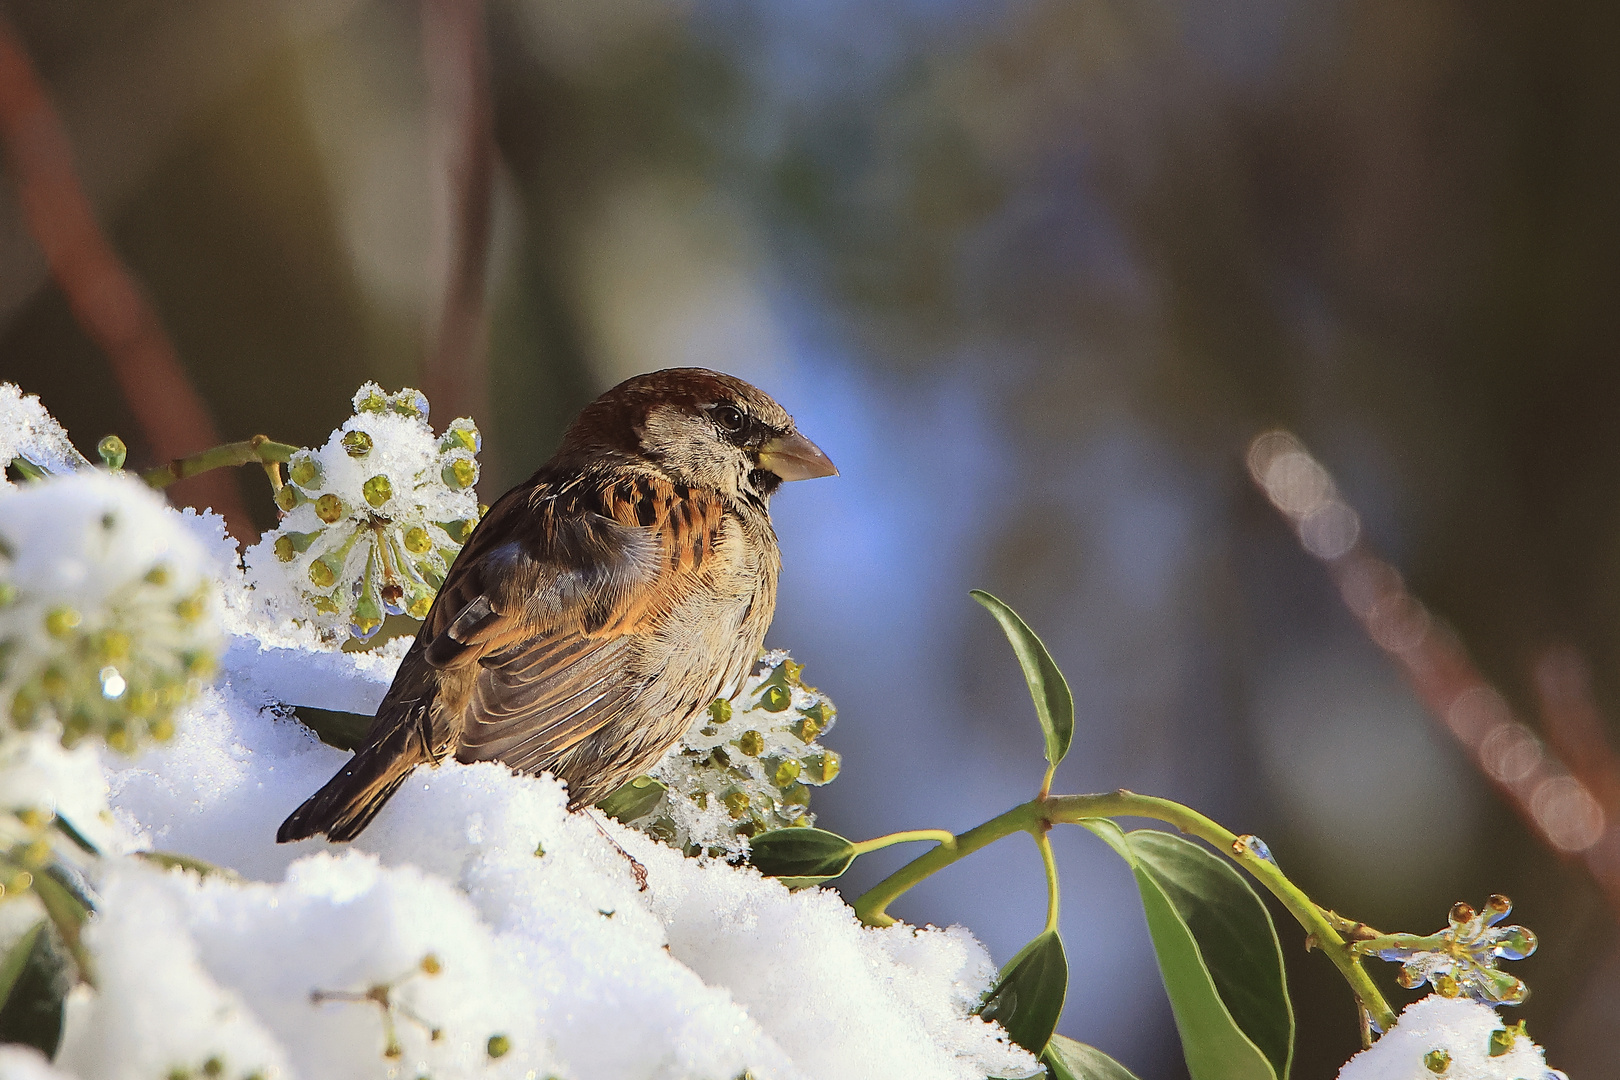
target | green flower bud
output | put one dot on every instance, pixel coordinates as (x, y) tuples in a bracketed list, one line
[(288, 497), (736, 803), (284, 548), (410, 403), (62, 621), (457, 530), (498, 1046), (329, 508), (775, 699), (750, 743), (377, 490), (356, 443), (305, 471), (112, 451), (421, 603), (821, 768), (321, 574), (461, 435), (459, 473), (372, 403), (1437, 1061), (786, 772), (720, 710), (417, 541)]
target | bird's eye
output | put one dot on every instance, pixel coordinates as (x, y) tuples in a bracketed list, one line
[(729, 417)]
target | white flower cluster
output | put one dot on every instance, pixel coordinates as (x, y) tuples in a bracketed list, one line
[(372, 519), (1454, 1039), (108, 620), (744, 767)]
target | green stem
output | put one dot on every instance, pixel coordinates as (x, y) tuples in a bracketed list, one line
[(877, 843), (1044, 841), (260, 449), (1037, 815)]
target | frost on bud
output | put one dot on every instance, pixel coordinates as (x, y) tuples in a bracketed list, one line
[(1451, 1037), (1461, 960), (742, 767), (372, 521), (110, 626)]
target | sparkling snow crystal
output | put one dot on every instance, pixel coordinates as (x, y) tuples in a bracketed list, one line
[(372, 519), (1452, 1038), (30, 433)]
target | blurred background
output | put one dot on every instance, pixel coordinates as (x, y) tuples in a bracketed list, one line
[(1034, 273)]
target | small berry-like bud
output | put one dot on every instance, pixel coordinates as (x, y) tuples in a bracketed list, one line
[(417, 541), (329, 508), (287, 497), (751, 743), (775, 699), (498, 1046), (321, 574), (112, 452), (1437, 1061), (459, 473), (62, 621), (284, 548), (357, 443), (430, 965), (305, 471), (377, 491)]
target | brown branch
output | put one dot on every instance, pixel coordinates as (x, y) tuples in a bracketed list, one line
[(455, 50), (1562, 806), (104, 297)]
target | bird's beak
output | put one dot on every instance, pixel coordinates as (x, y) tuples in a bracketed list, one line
[(794, 457)]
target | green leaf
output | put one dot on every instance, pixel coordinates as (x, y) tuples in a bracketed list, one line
[(1054, 704), (633, 799), (1066, 1059), (1218, 956), (801, 857), (35, 976), (170, 860), (1028, 995), (345, 731)]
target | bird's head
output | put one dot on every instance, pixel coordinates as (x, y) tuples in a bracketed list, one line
[(701, 428)]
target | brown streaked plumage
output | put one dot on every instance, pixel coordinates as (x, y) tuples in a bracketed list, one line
[(598, 606)]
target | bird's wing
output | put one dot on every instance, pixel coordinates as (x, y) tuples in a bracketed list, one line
[(550, 611)]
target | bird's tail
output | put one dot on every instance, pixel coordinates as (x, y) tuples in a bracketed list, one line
[(348, 802)]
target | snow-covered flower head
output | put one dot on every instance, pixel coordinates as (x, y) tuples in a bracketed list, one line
[(372, 519), (108, 617), (1461, 960), (29, 434), (744, 767)]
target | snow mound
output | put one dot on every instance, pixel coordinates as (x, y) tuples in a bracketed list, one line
[(1454, 1037), (29, 432), (533, 923)]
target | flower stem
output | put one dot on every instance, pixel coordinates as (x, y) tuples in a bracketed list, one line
[(260, 449), (1044, 841), (945, 838), (1037, 815)]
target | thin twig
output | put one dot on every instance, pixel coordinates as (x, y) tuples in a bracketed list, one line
[(1556, 801), (455, 51), (105, 299)]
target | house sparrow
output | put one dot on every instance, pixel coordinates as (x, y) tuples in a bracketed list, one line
[(599, 606)]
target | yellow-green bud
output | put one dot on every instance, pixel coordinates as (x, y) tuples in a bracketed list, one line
[(357, 443), (158, 575), (775, 699), (321, 574), (329, 508), (305, 471), (736, 803), (751, 743), (417, 541), (284, 548), (112, 451), (419, 606), (460, 472), (62, 621), (1437, 1061), (498, 1046), (371, 403), (720, 710), (462, 435), (287, 497), (377, 490), (786, 773)]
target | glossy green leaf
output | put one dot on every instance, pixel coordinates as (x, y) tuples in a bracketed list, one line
[(170, 860), (1066, 1059), (633, 799), (800, 858), (1054, 704), (1218, 956), (342, 730), (35, 976), (1028, 995)]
